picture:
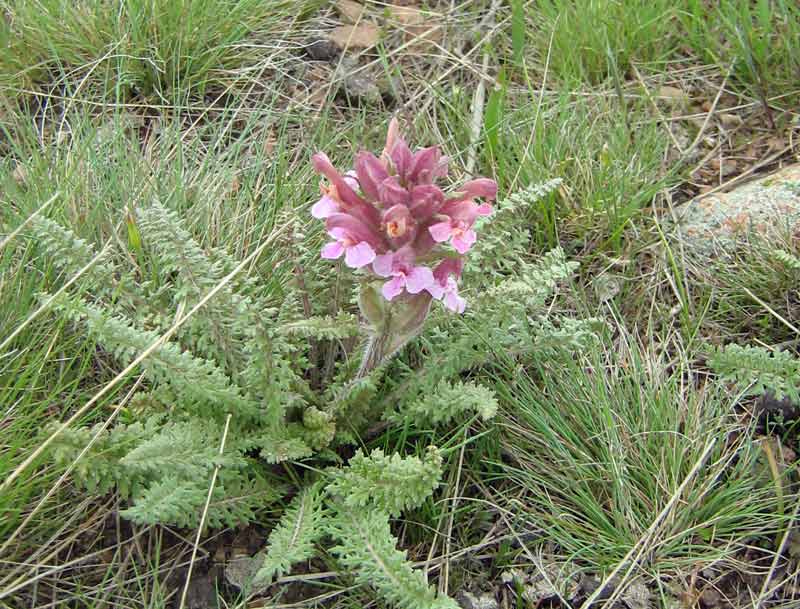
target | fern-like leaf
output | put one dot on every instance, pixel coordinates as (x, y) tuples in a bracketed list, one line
[(293, 538), (450, 401), (367, 547), (756, 370), (391, 484)]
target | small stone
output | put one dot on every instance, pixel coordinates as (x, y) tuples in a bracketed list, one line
[(636, 595), (420, 28), (357, 86), (729, 121), (350, 10), (468, 600), (710, 597), (406, 15), (672, 95), (241, 569), (322, 50), (20, 174), (361, 36)]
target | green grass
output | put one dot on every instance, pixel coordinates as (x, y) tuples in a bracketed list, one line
[(590, 42), (758, 41), (605, 443), (163, 48), (610, 154)]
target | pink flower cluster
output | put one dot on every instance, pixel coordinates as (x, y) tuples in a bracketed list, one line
[(389, 217)]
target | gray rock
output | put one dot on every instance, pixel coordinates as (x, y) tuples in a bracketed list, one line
[(468, 600), (322, 49), (768, 207)]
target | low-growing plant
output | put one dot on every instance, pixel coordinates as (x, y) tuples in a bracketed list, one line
[(240, 378)]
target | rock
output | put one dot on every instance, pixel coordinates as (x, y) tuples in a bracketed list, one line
[(361, 36), (201, 592), (468, 600), (20, 174), (351, 11), (636, 595), (357, 86), (672, 95), (769, 207), (242, 568), (322, 50), (420, 29)]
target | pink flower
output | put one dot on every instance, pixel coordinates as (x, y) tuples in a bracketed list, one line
[(448, 294), (330, 202), (371, 173), (342, 192), (457, 225), (426, 200), (427, 165), (480, 187), (399, 225), (445, 286), (356, 253), (405, 276)]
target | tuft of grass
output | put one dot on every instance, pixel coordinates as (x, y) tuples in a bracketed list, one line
[(598, 39), (600, 446), (739, 285), (162, 48), (760, 40)]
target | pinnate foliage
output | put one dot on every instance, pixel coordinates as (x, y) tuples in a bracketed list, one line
[(293, 538), (388, 483), (756, 370), (368, 548), (284, 366)]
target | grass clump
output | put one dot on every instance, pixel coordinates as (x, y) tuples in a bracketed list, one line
[(589, 42), (151, 47), (610, 170), (759, 41), (615, 452)]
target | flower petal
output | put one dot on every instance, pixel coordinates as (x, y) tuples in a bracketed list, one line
[(484, 209), (355, 228), (423, 163), (351, 179), (359, 255), (338, 233), (436, 290), (464, 241), (382, 265), (324, 207), (393, 287), (480, 187), (426, 200), (401, 156), (392, 133), (322, 165), (333, 250), (420, 278), (446, 270), (441, 231), (391, 193), (370, 174), (454, 302)]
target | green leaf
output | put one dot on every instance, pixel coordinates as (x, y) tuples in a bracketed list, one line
[(293, 538), (518, 31), (391, 484), (367, 547)]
